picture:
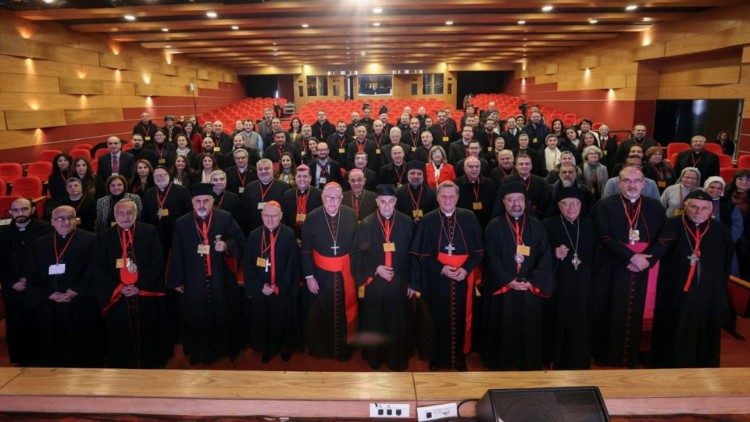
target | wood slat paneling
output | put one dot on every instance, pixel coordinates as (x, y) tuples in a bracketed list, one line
[(81, 86), (15, 119), (702, 76), (98, 115), (10, 82)]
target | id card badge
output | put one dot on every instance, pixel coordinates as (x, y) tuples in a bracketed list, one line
[(217, 149), (523, 250), (417, 213), (163, 212), (377, 150), (241, 189), (204, 249), (162, 161), (56, 269), (413, 149), (323, 180), (119, 263), (261, 262), (446, 139), (301, 218), (261, 205), (342, 150), (389, 247), (147, 138), (476, 206)]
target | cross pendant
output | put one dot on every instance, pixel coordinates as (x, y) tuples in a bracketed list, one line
[(450, 248), (335, 248), (693, 259), (268, 264)]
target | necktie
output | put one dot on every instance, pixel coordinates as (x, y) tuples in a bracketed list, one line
[(115, 164)]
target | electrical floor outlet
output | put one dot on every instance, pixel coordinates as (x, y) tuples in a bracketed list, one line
[(389, 410), (437, 412)]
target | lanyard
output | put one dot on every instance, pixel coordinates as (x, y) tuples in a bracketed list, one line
[(356, 203), (518, 234), (264, 192), (416, 202), (387, 226), (241, 177), (377, 138), (203, 231), (632, 222), (58, 256), (694, 258), (269, 250), (475, 189), (161, 200)]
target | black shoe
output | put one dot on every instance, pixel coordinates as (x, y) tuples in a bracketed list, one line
[(286, 355), (433, 366)]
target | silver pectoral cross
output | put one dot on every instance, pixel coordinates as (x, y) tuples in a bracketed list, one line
[(450, 248), (268, 264), (575, 261), (335, 248), (693, 258)]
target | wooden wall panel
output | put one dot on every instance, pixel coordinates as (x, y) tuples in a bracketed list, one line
[(19, 138), (98, 115), (34, 119), (187, 72), (81, 86), (550, 69), (203, 74), (2, 121), (28, 102), (704, 76), (113, 61), (16, 46), (29, 83)]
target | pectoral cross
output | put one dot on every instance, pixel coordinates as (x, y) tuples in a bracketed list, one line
[(335, 248), (450, 248), (268, 264), (693, 259)]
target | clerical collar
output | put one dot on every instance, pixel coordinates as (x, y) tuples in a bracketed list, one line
[(242, 169), (447, 215), (265, 184), (23, 226), (332, 215), (76, 199)]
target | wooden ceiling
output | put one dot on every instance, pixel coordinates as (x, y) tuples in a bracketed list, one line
[(349, 32)]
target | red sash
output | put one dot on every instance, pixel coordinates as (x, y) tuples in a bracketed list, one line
[(471, 281), (117, 294), (341, 264), (648, 309)]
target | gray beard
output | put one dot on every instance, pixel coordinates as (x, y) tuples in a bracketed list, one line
[(566, 183)]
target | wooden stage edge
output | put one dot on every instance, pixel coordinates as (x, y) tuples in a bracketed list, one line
[(348, 394)]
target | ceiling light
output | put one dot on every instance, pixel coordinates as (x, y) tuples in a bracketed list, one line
[(211, 14), (167, 46), (165, 30), (647, 19), (235, 27), (363, 53), (377, 10), (304, 25), (449, 23), (376, 24), (547, 8), (49, 1), (522, 22), (593, 21), (631, 7), (129, 18)]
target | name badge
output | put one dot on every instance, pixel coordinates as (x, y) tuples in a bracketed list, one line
[(377, 150), (413, 149), (162, 161), (446, 139), (56, 269), (301, 218), (112, 224), (261, 205), (661, 183), (323, 180), (147, 138), (261, 262), (303, 153), (634, 235), (523, 250), (119, 263), (114, 173), (163, 212), (241, 189), (489, 149), (535, 140), (5, 222), (417, 213), (204, 249), (342, 150), (78, 221), (217, 149), (476, 206), (679, 211), (389, 247)]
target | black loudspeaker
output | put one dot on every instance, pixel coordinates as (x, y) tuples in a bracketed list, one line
[(564, 404)]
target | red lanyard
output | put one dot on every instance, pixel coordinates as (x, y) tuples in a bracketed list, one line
[(301, 204), (342, 141), (360, 146), (475, 189), (58, 256), (419, 198), (241, 177), (414, 139), (269, 250), (203, 231), (387, 226), (377, 139), (632, 221), (159, 198), (399, 174), (160, 151), (264, 192), (444, 129), (518, 233), (695, 256), (126, 239)]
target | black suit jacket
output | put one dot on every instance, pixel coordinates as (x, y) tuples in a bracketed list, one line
[(334, 173), (707, 164), (127, 166)]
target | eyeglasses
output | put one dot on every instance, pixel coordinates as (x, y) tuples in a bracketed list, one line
[(631, 181), (64, 218)]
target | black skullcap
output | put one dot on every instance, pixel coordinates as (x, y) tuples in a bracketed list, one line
[(512, 187), (699, 194), (385, 190), (569, 192), (202, 189), (415, 165)]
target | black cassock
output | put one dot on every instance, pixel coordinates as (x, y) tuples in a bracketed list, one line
[(212, 316), (477, 196), (174, 202), (514, 317), (134, 325), (384, 316), (619, 294), (69, 332), (252, 200), (568, 311), (272, 318), (446, 299), (311, 199), (20, 312), (326, 332), (416, 202), (687, 325)]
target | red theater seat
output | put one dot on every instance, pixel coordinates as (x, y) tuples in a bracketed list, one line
[(9, 172), (48, 154)]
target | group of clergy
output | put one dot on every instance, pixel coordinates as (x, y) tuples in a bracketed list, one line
[(425, 271)]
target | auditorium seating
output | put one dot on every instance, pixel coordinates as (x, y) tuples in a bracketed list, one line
[(251, 108), (727, 173), (48, 154), (3, 188), (99, 153), (342, 110), (83, 146), (78, 152), (744, 162), (40, 169), (9, 172), (5, 203), (676, 147), (714, 147), (725, 161)]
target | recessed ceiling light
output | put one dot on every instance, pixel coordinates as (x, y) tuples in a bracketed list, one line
[(363, 53), (593, 21), (235, 27), (631, 7), (377, 10), (547, 8), (49, 1), (167, 46), (165, 30), (522, 22), (449, 23), (304, 25), (376, 24), (211, 14), (129, 18)]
